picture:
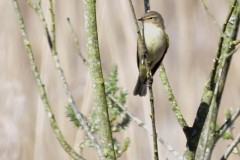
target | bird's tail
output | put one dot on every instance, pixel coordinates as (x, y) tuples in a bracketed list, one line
[(140, 88)]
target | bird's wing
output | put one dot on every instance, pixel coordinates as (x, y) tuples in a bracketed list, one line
[(138, 61), (160, 61)]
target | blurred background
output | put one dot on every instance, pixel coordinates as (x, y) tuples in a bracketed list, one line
[(25, 133)]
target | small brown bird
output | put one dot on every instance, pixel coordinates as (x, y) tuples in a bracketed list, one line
[(157, 43)]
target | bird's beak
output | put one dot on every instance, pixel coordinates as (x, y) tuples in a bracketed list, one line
[(140, 19)]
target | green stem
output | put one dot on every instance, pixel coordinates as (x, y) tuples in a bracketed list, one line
[(152, 115), (172, 99), (97, 79)]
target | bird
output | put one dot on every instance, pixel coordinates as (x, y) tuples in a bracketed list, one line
[(157, 43)]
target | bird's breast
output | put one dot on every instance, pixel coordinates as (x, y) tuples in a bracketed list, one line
[(155, 39)]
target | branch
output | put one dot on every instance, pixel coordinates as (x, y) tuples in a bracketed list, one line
[(97, 79), (152, 114), (144, 126), (141, 44), (172, 100), (74, 35), (231, 147), (143, 49), (217, 81), (41, 87), (52, 45), (134, 118), (226, 125), (211, 16)]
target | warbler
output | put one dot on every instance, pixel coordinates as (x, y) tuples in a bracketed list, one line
[(157, 43)]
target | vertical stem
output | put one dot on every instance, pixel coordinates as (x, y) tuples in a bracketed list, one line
[(97, 79), (152, 115), (143, 49)]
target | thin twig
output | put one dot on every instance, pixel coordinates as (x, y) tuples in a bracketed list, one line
[(232, 138), (143, 49), (152, 115), (211, 16), (144, 126), (71, 101), (77, 44), (231, 147), (41, 87), (135, 21), (53, 28), (227, 124)]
